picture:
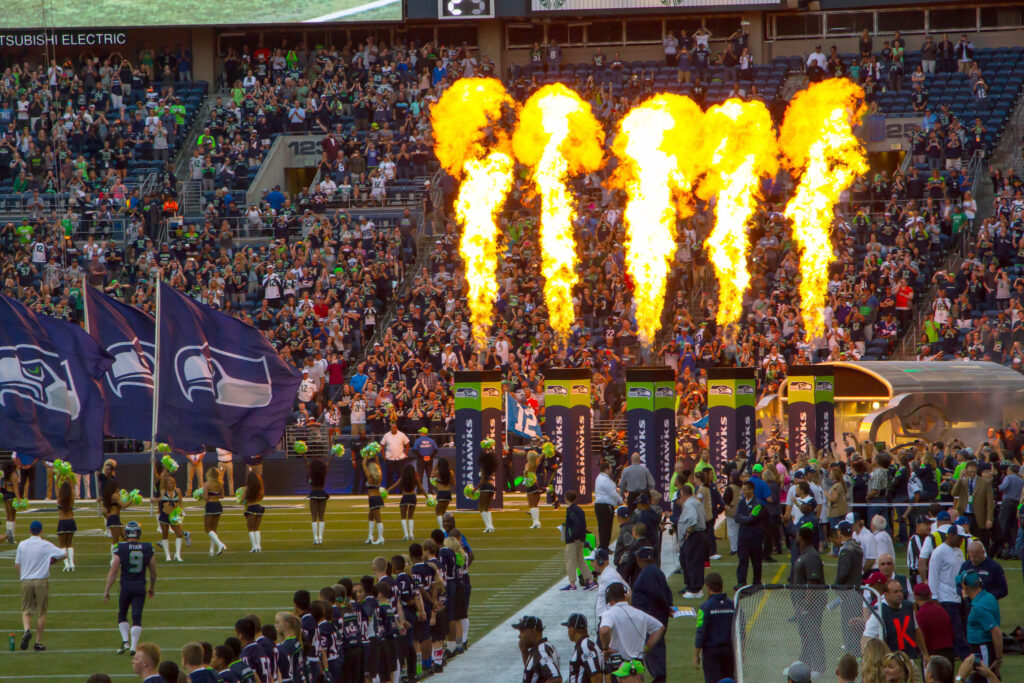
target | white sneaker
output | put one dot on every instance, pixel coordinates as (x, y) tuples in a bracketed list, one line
[(716, 556), (692, 596)]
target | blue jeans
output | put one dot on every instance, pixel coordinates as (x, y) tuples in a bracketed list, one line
[(960, 646)]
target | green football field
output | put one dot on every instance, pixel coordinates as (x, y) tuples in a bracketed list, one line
[(95, 14), (201, 598)]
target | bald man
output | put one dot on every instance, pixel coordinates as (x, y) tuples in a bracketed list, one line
[(993, 578), (634, 480)]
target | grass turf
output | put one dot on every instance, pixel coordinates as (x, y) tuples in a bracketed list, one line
[(80, 14), (201, 598)]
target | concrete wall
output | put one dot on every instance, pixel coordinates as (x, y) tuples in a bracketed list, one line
[(288, 151)]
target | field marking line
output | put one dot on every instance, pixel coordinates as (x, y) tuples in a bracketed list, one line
[(764, 600), (376, 4)]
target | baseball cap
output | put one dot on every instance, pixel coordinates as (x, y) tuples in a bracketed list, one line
[(622, 511), (942, 516), (600, 555), (844, 527), (576, 621), (876, 577), (758, 468), (970, 578), (922, 590), (645, 553), (962, 521), (529, 622), (424, 430), (800, 473), (798, 672), (36, 527)]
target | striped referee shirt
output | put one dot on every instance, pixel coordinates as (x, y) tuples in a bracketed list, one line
[(542, 664), (587, 660)]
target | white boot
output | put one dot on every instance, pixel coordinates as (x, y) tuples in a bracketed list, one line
[(177, 550), (440, 519), (412, 533), (483, 518), (316, 527), (405, 529), (369, 533), (380, 533), (71, 558), (535, 516), (166, 543), (259, 541), (320, 531), (252, 541)]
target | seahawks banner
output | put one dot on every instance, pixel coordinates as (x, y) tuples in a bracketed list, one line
[(51, 405), (641, 429), (477, 417), (129, 335), (825, 407), (219, 382), (665, 423), (802, 413), (731, 424), (521, 419), (567, 423)]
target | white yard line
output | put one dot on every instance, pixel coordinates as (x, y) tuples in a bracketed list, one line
[(376, 4)]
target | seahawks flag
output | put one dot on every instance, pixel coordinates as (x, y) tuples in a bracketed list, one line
[(129, 336), (219, 382), (521, 419), (51, 405)]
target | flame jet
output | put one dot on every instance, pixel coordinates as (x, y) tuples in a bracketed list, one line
[(657, 168), (741, 146), (817, 140), (462, 119), (557, 136)]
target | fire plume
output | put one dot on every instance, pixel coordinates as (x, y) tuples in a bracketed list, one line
[(656, 170), (462, 119), (557, 136), (817, 139), (742, 148)]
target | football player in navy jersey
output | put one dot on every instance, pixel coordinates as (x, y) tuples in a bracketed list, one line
[(301, 602), (253, 655), (327, 637), (243, 673), (412, 613), (373, 654), (448, 524), (439, 622), (423, 577), (223, 655), (132, 559), (192, 663), (391, 630), (291, 660), (351, 632)]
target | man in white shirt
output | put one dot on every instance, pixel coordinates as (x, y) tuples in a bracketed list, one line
[(943, 569), (883, 541), (396, 450), (606, 499), (32, 562), (816, 62), (607, 575), (307, 390), (862, 535), (627, 631)]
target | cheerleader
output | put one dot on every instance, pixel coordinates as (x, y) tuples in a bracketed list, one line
[(550, 464), (66, 526), (488, 470), (533, 487), (253, 510), (169, 499), (442, 480), (316, 475), (11, 478), (371, 469), (112, 506), (411, 486), (212, 509)]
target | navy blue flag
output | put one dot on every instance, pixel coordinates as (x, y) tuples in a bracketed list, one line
[(129, 336), (220, 383), (51, 405)]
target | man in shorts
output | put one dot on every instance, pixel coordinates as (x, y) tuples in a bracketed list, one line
[(32, 561)]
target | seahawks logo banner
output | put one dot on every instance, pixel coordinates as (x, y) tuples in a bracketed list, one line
[(801, 412), (567, 423), (731, 425), (825, 407), (51, 405), (477, 417), (129, 335), (220, 383), (651, 420)]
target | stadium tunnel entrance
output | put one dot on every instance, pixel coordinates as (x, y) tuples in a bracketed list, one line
[(897, 402)]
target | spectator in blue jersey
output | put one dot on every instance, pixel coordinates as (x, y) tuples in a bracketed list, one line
[(424, 449), (713, 641), (993, 578)]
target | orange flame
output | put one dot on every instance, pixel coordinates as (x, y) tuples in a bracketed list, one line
[(818, 140), (742, 149), (656, 170), (558, 136), (461, 119)]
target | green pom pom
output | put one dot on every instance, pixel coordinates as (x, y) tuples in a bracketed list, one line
[(548, 449), (371, 449), (487, 444), (383, 492), (300, 447), (198, 494), (240, 495), (163, 448), (177, 516), (551, 488), (518, 481), (434, 482), (470, 493), (530, 478), (169, 464), (62, 469), (431, 501), (460, 560), (20, 504), (338, 450)]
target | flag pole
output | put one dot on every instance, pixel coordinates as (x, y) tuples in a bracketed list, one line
[(156, 394)]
